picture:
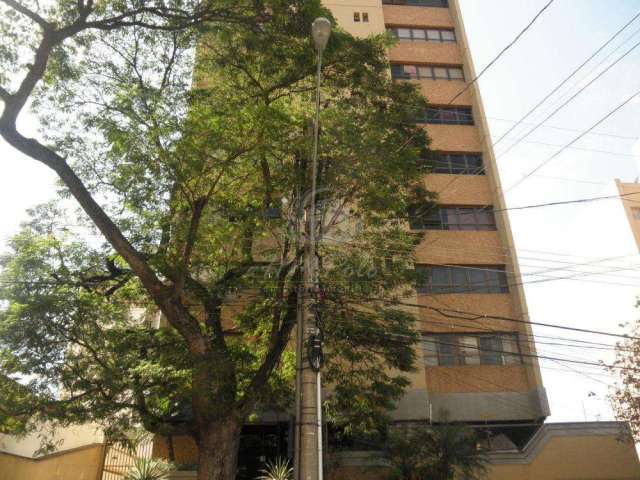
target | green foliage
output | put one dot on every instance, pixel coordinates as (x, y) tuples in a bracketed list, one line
[(148, 469), (144, 468), (441, 452), (277, 469), (187, 176)]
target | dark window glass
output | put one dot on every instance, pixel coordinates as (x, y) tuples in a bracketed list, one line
[(423, 35), (478, 280), (426, 72), (490, 350), (418, 3), (451, 218), (447, 116), (446, 351), (397, 71), (471, 349), (455, 163), (365, 17), (461, 279), (356, 16)]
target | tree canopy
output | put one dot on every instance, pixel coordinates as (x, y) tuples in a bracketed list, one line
[(168, 297)]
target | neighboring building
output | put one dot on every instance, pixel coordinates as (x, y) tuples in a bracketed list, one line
[(630, 196), (79, 455)]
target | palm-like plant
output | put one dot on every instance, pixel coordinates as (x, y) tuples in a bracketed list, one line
[(148, 469), (277, 469), (443, 452)]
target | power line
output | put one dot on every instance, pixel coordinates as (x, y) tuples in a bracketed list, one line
[(566, 129), (567, 179), (531, 339), (513, 42), (576, 70), (556, 110), (574, 141), (582, 149), (591, 70), (542, 357), (477, 316), (565, 202), (609, 269)]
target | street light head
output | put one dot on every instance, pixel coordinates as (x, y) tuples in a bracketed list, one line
[(320, 31)]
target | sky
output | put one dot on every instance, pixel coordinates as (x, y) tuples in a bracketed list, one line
[(566, 34)]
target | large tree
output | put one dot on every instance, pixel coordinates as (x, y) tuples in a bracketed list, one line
[(190, 189)]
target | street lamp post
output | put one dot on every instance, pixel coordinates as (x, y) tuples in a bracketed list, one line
[(309, 402)]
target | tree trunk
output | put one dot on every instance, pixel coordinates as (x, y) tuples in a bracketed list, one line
[(218, 450)]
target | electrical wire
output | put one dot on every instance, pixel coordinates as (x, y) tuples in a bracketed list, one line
[(564, 104), (537, 356), (566, 129), (576, 70), (502, 52), (477, 316), (546, 269), (609, 114)]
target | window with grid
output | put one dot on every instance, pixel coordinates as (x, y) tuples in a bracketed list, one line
[(426, 72), (471, 349), (418, 3), (434, 280), (455, 163), (447, 116), (451, 218), (423, 34)]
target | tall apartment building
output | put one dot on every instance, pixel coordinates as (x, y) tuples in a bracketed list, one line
[(481, 371)]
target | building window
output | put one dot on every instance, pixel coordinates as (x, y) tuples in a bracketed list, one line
[(455, 163), (433, 279), (452, 218), (423, 34), (447, 116), (418, 3), (471, 349), (365, 17), (356, 16), (426, 72)]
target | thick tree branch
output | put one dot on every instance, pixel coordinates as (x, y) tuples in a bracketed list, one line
[(4, 94), (30, 14), (189, 244), (274, 353), (174, 310)]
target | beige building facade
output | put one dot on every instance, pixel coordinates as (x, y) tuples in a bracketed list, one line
[(630, 197), (480, 371), (479, 357)]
